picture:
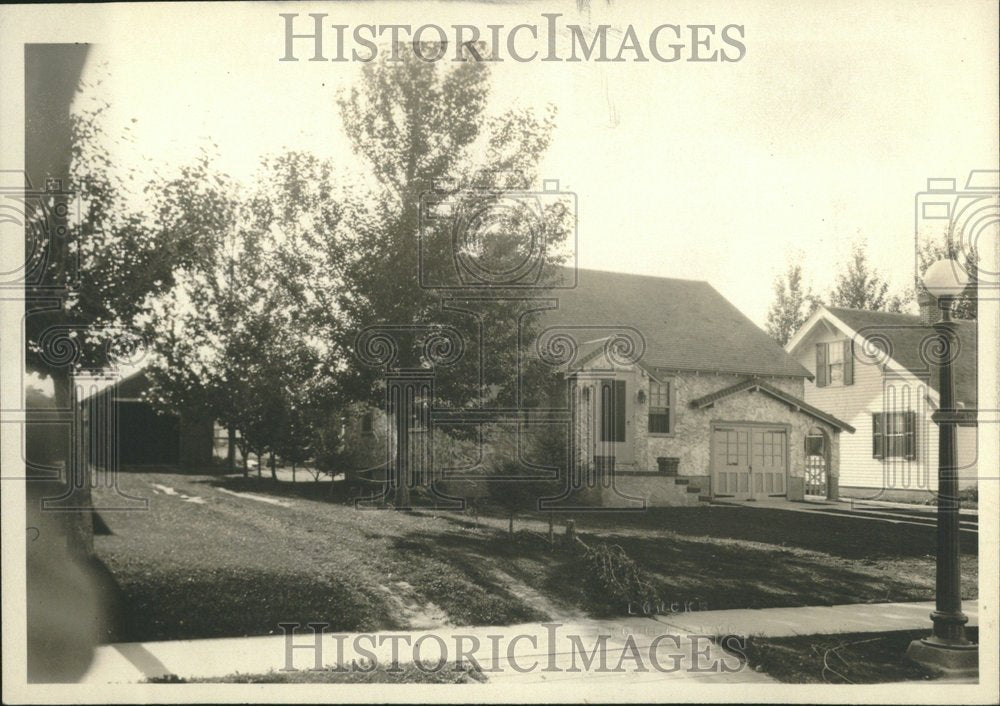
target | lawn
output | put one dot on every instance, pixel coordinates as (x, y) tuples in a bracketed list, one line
[(215, 558)]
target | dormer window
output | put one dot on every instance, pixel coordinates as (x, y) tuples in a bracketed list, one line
[(834, 363)]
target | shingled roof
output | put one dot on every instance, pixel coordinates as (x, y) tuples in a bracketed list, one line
[(905, 334), (686, 324)]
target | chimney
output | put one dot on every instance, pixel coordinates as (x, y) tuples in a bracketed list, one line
[(930, 313)]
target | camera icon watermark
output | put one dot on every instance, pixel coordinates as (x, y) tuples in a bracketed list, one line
[(41, 221), (495, 237), (964, 223)]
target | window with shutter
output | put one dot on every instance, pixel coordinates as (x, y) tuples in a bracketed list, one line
[(894, 435)]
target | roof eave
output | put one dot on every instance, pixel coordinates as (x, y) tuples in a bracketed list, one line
[(758, 385)]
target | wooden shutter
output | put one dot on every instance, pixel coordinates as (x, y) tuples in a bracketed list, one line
[(821, 365), (848, 362), (613, 410), (607, 405), (911, 435), (877, 439), (672, 415), (619, 410)]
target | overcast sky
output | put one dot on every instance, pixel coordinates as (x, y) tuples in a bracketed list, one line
[(718, 171)]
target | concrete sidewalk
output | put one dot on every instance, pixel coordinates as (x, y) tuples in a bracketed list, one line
[(811, 620), (857, 511), (631, 649)]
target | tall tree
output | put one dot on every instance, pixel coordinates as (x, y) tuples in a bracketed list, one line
[(247, 335), (112, 256), (419, 125), (859, 286), (792, 305)]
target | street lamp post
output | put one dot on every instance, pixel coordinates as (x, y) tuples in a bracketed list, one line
[(947, 649)]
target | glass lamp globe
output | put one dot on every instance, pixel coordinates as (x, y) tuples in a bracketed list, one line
[(946, 278)]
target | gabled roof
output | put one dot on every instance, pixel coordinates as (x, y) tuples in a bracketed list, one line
[(902, 336), (686, 324), (755, 385)]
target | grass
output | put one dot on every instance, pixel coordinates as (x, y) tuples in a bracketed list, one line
[(381, 674), (204, 563), (854, 658)]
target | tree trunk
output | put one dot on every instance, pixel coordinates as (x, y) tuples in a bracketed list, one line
[(274, 471), (293, 471), (260, 468), (552, 531), (231, 451), (246, 469), (510, 525)]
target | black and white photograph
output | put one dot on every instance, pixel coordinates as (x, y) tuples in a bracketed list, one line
[(500, 351)]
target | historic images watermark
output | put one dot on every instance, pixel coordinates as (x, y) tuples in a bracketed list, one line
[(550, 649), (966, 217), (315, 37)]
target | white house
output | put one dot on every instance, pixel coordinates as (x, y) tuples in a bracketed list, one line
[(875, 371)]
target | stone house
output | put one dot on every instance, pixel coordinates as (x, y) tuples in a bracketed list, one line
[(683, 399), (672, 397)]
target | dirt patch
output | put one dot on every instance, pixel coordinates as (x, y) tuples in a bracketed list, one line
[(537, 600), (258, 498), (414, 613)]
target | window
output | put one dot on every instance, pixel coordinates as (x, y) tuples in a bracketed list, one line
[(770, 448), (734, 447), (894, 435), (834, 363), (659, 407), (367, 424)]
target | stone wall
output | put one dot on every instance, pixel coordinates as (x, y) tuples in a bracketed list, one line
[(652, 489), (690, 436)]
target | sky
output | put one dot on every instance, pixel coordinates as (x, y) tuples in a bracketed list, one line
[(823, 133)]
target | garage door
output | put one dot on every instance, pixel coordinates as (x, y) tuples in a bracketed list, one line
[(748, 461)]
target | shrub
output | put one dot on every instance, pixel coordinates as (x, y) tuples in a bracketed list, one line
[(616, 581)]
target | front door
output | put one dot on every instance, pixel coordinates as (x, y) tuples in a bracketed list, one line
[(614, 435), (748, 462)]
